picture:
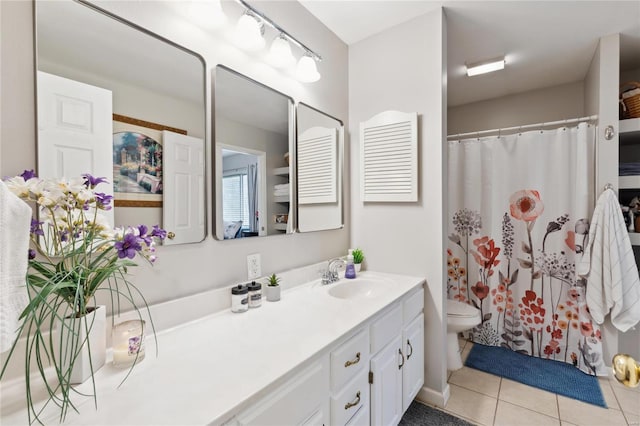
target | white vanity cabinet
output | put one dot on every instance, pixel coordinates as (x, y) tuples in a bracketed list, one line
[(397, 370), (368, 377)]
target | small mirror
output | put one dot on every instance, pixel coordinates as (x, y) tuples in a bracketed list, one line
[(319, 168), (117, 101), (253, 167)]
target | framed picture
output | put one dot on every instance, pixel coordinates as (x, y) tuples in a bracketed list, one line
[(137, 161)]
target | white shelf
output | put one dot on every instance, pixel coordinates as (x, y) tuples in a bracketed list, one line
[(629, 182), (635, 238), (631, 125), (281, 199), (280, 226), (281, 171)]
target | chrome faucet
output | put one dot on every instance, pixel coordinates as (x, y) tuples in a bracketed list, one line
[(331, 274)]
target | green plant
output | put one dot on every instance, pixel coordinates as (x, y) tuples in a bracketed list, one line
[(358, 255), (76, 255), (273, 280)]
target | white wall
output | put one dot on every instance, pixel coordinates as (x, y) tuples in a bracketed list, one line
[(536, 106), (210, 264), (404, 68)]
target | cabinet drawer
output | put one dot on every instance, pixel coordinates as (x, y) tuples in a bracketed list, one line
[(352, 398), (413, 305), (386, 328), (349, 359), (361, 418)]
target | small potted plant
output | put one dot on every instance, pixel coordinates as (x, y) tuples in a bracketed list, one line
[(273, 288), (358, 257)]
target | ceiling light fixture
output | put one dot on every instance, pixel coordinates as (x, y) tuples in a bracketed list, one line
[(249, 32), (484, 67), (306, 71), (280, 52)]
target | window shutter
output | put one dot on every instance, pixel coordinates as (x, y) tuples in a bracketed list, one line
[(317, 160)]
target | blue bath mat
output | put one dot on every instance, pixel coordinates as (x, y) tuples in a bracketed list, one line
[(553, 376)]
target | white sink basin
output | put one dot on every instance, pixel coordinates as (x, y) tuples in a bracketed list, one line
[(360, 288)]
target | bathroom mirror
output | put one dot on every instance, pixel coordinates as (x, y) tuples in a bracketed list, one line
[(253, 158), (115, 100), (319, 153)]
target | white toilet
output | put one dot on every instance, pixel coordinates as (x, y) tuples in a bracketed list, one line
[(460, 317)]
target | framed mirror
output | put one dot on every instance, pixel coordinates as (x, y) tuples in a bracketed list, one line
[(319, 153), (117, 101), (253, 158)]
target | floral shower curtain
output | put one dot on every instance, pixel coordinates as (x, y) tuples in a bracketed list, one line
[(519, 209)]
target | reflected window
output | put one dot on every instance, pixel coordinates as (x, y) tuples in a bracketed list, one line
[(235, 194)]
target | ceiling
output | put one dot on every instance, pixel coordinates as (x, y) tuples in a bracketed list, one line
[(545, 43)]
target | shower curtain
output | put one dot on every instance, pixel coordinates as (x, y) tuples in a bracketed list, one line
[(519, 209)]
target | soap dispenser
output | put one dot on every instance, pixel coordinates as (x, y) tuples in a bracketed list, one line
[(350, 271)]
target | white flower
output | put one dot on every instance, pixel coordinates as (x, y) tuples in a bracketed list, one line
[(18, 186)]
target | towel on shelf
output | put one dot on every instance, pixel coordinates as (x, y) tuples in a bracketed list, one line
[(608, 263), (282, 186), (15, 222)]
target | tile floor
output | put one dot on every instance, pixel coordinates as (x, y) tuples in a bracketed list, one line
[(485, 399)]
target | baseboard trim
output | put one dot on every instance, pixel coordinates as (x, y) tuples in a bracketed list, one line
[(433, 397)]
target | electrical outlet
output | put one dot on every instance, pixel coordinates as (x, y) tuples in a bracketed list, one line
[(253, 266)]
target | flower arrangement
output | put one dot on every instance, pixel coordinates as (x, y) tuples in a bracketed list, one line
[(75, 253)]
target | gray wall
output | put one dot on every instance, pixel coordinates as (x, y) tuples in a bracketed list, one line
[(404, 69), (210, 264)]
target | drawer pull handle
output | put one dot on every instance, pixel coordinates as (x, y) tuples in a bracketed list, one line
[(402, 356), (410, 347), (354, 403), (355, 361)]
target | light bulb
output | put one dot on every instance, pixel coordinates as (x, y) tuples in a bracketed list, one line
[(306, 71), (280, 53), (249, 32)]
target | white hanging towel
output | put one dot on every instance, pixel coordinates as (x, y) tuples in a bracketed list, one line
[(15, 222), (608, 263)]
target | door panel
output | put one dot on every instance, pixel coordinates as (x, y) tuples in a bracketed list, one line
[(386, 390)]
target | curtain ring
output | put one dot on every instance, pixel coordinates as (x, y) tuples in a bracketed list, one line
[(542, 128), (520, 131), (499, 132)]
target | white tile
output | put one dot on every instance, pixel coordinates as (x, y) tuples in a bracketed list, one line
[(509, 414), (583, 414), (628, 398), (476, 380), (529, 397), (471, 405), (632, 419), (608, 394)]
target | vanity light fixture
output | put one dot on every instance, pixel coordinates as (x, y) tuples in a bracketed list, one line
[(207, 13), (249, 32), (280, 52), (484, 67), (306, 70)]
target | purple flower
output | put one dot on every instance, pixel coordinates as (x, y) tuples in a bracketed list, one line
[(28, 174), (158, 232), (32, 254), (35, 227), (64, 235), (142, 229), (92, 182), (103, 200), (128, 247)]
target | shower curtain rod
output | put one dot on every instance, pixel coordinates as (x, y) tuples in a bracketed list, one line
[(520, 128)]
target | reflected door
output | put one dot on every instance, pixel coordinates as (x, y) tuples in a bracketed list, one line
[(74, 131), (183, 205)]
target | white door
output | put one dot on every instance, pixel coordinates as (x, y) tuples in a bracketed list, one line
[(413, 370), (183, 206), (75, 131), (386, 389)]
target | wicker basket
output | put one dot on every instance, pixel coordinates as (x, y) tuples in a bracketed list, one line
[(630, 100)]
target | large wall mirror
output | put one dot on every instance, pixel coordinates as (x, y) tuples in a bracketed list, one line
[(115, 100), (253, 158), (320, 149)]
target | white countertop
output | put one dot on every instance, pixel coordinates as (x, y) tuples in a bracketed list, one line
[(208, 369)]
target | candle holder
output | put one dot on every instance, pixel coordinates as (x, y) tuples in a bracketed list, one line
[(128, 343)]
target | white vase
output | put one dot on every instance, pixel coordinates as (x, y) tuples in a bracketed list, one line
[(358, 266), (84, 364), (273, 293)]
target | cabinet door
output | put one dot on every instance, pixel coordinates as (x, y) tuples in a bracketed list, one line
[(301, 400), (413, 370), (386, 389)]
